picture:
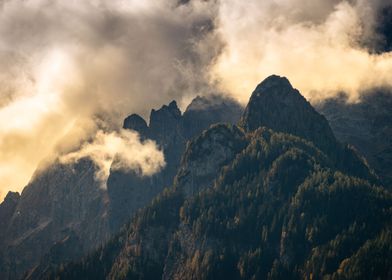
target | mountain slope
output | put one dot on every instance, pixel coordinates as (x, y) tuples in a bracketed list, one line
[(277, 105), (63, 213), (367, 125), (171, 130), (270, 205), (60, 201)]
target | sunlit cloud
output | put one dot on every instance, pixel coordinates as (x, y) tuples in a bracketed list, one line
[(74, 68), (119, 151), (70, 71), (320, 57)]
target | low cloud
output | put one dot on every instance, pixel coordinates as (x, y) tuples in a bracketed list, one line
[(119, 151)]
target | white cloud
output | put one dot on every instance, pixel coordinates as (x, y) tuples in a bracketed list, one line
[(119, 151)]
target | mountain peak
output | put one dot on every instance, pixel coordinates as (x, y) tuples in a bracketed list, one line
[(170, 109), (274, 81), (277, 105), (135, 122), (173, 105), (12, 196)]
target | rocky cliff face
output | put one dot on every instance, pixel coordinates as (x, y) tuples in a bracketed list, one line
[(7, 210), (277, 105), (61, 201), (198, 115), (206, 155), (170, 130), (367, 125)]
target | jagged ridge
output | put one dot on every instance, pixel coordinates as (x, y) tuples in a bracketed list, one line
[(277, 206)]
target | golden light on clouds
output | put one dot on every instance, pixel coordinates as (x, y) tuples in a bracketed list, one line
[(320, 59), (70, 71)]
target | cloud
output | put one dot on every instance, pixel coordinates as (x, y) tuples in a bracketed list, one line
[(72, 69), (318, 45), (119, 151)]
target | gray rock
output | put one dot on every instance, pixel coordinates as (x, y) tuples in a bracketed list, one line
[(367, 125), (60, 201), (277, 105), (129, 191)]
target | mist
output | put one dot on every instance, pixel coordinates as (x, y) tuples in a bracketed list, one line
[(119, 151), (70, 71)]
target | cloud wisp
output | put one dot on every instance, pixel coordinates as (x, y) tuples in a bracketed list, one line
[(119, 151)]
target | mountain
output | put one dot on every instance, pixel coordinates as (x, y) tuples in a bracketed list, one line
[(251, 202), (367, 125), (7, 209), (60, 201), (277, 105), (63, 213), (171, 130)]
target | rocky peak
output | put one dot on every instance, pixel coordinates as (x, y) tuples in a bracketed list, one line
[(7, 209), (137, 123), (165, 122), (279, 83), (11, 198), (205, 156), (203, 111), (279, 106), (166, 111)]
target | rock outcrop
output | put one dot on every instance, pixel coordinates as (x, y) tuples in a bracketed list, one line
[(7, 210), (277, 105), (171, 130), (61, 201)]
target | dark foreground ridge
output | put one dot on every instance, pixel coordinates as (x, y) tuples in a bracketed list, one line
[(262, 200)]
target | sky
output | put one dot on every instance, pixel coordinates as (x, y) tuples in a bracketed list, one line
[(71, 71)]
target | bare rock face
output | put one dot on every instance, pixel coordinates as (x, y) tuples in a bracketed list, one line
[(367, 125), (203, 111), (137, 123), (7, 210), (165, 124), (63, 200), (206, 155), (277, 105), (65, 250), (128, 191)]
